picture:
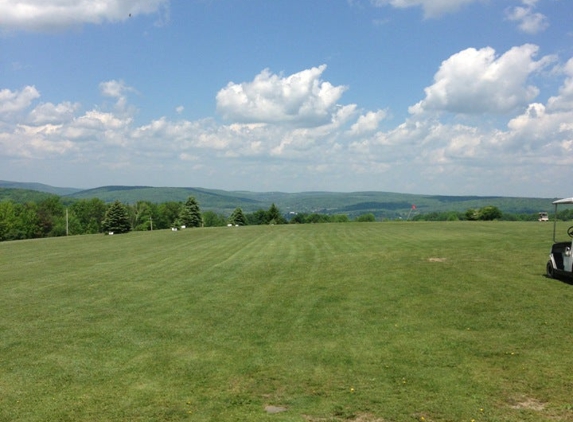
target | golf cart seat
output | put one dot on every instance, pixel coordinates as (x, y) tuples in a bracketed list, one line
[(558, 250)]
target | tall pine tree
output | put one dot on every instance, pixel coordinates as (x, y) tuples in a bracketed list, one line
[(190, 215), (238, 218), (116, 219), (274, 215)]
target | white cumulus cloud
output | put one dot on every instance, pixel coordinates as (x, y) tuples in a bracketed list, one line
[(432, 8), (534, 149), (564, 101), (14, 101), (478, 81), (114, 89), (302, 99), (53, 113), (40, 15), (118, 90), (367, 123), (428, 152), (528, 20), (37, 142)]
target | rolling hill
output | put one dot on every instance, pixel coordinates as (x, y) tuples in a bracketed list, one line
[(382, 204), (38, 187)]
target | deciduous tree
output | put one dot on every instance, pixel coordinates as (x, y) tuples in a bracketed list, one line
[(8, 220), (50, 212), (366, 218), (90, 213), (258, 217), (489, 213), (168, 213), (212, 219)]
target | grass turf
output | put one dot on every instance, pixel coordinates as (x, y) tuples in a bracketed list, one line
[(333, 322)]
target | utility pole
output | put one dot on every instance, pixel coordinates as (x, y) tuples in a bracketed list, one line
[(67, 224), (151, 222)]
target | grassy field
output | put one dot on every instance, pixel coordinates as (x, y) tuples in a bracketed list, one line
[(364, 322)]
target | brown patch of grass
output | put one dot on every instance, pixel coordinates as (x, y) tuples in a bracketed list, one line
[(365, 417), (275, 409), (529, 403)]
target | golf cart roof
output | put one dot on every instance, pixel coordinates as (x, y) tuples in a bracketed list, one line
[(564, 201)]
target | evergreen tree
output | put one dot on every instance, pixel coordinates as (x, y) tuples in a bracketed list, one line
[(116, 219), (274, 215), (238, 218), (191, 214)]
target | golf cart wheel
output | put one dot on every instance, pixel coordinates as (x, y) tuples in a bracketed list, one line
[(550, 270)]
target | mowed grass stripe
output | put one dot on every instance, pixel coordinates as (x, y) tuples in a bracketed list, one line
[(446, 321)]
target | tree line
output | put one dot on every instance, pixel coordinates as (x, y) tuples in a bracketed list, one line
[(52, 217), (488, 213)]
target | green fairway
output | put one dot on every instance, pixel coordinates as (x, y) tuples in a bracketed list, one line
[(364, 322)]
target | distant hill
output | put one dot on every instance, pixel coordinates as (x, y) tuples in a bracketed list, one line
[(382, 204), (38, 187), (21, 196), (393, 205), (218, 200)]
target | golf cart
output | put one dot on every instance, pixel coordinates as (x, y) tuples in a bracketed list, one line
[(560, 259)]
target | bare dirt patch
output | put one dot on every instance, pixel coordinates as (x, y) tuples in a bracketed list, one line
[(366, 417), (437, 259), (529, 404), (275, 409)]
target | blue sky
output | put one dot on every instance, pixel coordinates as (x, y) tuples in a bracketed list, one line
[(450, 97)]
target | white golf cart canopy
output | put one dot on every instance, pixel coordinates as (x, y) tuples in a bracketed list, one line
[(564, 201)]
